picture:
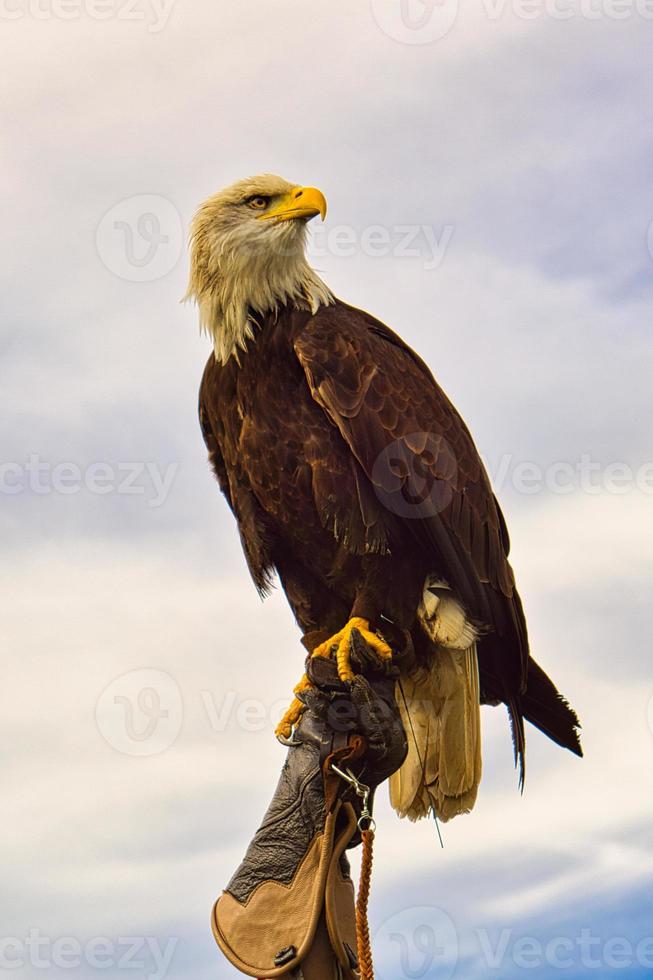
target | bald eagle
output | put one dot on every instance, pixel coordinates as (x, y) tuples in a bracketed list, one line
[(353, 477)]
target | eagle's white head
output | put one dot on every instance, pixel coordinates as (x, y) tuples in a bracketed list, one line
[(247, 257)]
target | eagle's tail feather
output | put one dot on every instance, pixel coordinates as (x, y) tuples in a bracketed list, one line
[(441, 714), (518, 739), (546, 708)]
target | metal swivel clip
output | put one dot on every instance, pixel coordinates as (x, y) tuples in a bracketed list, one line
[(366, 820)]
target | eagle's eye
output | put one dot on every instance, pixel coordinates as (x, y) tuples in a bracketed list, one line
[(258, 201)]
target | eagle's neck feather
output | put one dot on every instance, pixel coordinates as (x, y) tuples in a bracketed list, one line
[(245, 284)]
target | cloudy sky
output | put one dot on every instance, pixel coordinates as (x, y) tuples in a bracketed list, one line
[(487, 168)]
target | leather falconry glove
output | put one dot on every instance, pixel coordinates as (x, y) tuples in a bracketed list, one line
[(289, 908)]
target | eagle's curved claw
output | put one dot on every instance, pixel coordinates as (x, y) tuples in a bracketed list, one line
[(283, 731), (342, 643)]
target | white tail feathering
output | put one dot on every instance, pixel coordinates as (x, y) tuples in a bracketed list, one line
[(440, 711)]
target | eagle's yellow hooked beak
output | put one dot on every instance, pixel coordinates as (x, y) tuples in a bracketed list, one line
[(300, 202)]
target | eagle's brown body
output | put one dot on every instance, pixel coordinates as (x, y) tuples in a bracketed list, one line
[(351, 474)]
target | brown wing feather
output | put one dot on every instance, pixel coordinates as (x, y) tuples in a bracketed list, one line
[(228, 465), (421, 460)]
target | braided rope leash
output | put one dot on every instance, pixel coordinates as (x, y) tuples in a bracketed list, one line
[(362, 925), (367, 827)]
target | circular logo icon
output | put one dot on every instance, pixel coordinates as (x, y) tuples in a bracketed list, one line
[(141, 712), (415, 21), (415, 476), (418, 943), (140, 239)]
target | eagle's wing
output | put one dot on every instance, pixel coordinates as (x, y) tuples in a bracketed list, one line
[(420, 458), (213, 449), (253, 535), (417, 452)]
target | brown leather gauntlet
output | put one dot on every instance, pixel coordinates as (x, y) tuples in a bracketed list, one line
[(290, 904)]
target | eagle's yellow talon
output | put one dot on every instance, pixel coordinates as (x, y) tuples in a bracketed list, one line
[(304, 685), (294, 712), (324, 649), (342, 642)]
